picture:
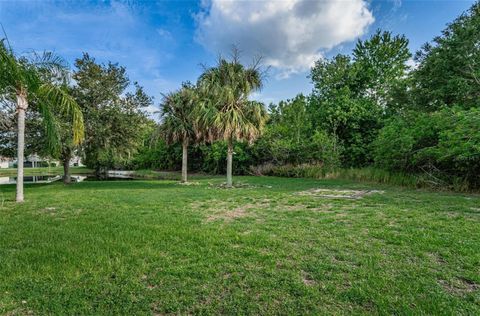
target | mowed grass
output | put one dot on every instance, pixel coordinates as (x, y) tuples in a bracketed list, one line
[(12, 172), (157, 247)]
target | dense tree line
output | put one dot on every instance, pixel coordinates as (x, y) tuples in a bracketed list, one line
[(372, 108), (375, 108)]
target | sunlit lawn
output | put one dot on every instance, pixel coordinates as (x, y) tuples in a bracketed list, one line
[(157, 247)]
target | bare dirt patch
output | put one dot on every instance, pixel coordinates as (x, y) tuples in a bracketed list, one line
[(436, 258), (460, 286), (232, 209), (307, 279), (188, 183), (264, 208), (48, 210), (230, 215), (338, 194), (228, 210), (237, 185)]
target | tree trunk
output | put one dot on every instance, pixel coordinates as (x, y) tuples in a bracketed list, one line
[(67, 179), (184, 161), (65, 157), (22, 106), (229, 164)]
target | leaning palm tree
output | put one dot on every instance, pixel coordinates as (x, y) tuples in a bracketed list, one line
[(178, 110), (26, 81), (226, 112)]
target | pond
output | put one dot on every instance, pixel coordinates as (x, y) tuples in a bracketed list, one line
[(31, 179), (75, 178)]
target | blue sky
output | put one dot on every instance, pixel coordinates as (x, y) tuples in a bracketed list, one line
[(163, 43)]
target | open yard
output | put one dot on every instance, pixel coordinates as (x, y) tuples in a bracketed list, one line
[(274, 246)]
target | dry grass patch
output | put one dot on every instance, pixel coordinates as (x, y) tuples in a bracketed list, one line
[(229, 215), (238, 185), (459, 286), (307, 279), (189, 183), (229, 210), (338, 194), (301, 206)]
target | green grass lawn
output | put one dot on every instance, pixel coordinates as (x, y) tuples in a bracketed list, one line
[(12, 172), (157, 247)]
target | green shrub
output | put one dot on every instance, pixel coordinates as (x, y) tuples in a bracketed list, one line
[(214, 158), (442, 148), (367, 174), (292, 171)]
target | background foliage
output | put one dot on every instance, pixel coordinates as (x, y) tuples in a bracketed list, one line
[(375, 109)]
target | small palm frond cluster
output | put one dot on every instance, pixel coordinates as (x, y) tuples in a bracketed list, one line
[(39, 79), (56, 99), (225, 111), (17, 75), (177, 114)]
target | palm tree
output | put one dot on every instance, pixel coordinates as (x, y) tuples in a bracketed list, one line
[(226, 111), (26, 81), (178, 110)]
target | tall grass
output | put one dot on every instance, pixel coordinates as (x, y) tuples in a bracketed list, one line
[(370, 174), (367, 174)]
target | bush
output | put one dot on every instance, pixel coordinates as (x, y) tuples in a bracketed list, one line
[(400, 142), (160, 156), (368, 174), (317, 171), (214, 158), (209, 158), (442, 147)]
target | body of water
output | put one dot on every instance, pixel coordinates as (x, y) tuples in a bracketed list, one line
[(112, 175), (30, 179)]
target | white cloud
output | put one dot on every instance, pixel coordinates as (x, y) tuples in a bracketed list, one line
[(412, 64), (289, 34)]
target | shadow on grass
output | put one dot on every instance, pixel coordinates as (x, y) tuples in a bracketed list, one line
[(100, 185), (122, 185)]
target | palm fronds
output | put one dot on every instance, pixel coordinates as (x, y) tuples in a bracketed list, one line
[(225, 110), (54, 98), (177, 114), (34, 77)]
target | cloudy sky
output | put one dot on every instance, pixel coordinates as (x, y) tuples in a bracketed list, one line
[(163, 43)]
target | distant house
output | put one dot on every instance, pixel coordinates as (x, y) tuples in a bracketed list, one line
[(35, 161), (31, 161), (76, 161), (5, 162)]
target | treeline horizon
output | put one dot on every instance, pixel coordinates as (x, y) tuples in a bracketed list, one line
[(370, 109)]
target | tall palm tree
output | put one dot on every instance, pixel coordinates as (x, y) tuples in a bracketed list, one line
[(178, 110), (27, 81), (226, 111)]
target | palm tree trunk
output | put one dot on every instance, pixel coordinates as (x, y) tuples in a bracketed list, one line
[(184, 161), (22, 106), (65, 157), (229, 164)]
